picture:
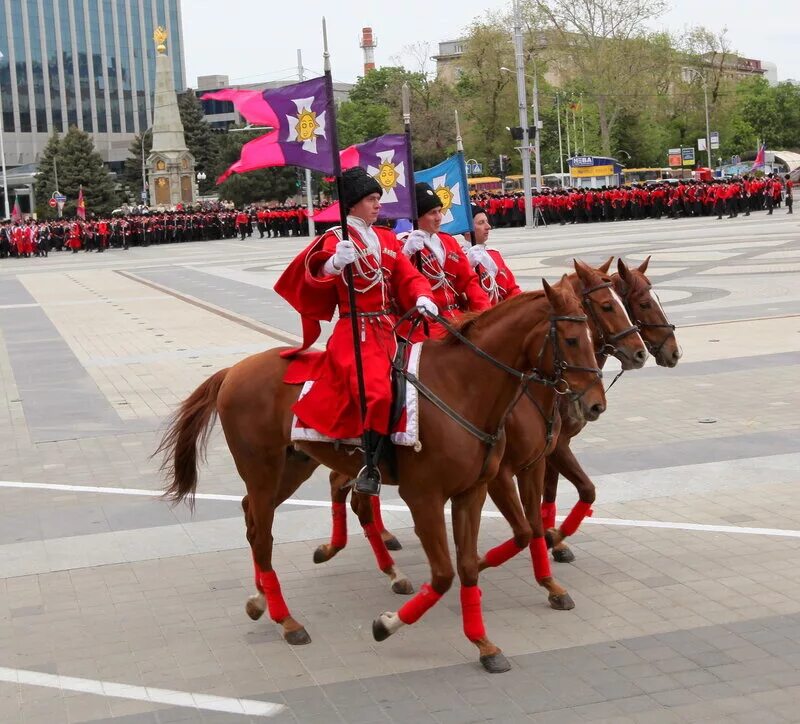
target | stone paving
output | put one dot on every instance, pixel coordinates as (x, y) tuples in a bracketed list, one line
[(686, 589)]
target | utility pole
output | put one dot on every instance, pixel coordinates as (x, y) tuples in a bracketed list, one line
[(536, 142), (525, 151), (560, 147), (3, 158), (312, 231)]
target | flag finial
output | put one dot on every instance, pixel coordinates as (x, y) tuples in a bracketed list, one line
[(326, 56)]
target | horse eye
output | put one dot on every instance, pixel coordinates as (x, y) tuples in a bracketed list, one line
[(646, 305), (607, 308), (572, 341)]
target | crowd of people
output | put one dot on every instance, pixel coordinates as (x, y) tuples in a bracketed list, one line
[(644, 201), (30, 238)]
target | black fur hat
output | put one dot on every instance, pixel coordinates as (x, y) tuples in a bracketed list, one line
[(358, 184), (427, 199)]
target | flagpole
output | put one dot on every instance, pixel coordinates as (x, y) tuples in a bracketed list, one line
[(312, 231), (467, 198), (406, 100), (348, 271)]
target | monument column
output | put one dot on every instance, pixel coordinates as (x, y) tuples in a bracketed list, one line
[(170, 164)]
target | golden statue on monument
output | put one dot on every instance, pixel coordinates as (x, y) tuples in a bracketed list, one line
[(160, 35)]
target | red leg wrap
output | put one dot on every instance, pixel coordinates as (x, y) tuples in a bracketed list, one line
[(580, 511), (377, 518), (471, 613), (382, 557), (412, 610), (339, 532), (541, 561), (548, 515), (498, 555), (278, 610)]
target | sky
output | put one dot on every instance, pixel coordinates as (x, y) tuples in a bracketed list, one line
[(251, 41)]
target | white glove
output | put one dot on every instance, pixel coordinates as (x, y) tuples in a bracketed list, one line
[(345, 254), (477, 254), (426, 305), (415, 242)]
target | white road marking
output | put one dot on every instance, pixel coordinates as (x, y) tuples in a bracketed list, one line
[(205, 702), (401, 508)]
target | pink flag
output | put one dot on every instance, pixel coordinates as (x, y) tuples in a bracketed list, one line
[(760, 157), (16, 212), (80, 211)]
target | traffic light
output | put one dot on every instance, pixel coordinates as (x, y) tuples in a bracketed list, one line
[(516, 133), (494, 168), (503, 165)]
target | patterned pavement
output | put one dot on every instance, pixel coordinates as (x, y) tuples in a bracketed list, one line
[(115, 606)]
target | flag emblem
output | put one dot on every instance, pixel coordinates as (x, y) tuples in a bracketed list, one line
[(388, 174), (448, 195), (306, 126)]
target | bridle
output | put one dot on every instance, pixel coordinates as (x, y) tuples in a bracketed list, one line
[(607, 342), (654, 350), (525, 378)]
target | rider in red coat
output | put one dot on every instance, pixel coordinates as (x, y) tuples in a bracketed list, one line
[(453, 281), (495, 278), (385, 281)]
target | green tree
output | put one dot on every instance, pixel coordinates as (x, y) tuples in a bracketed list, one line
[(45, 181), (201, 139), (132, 170), (80, 165)]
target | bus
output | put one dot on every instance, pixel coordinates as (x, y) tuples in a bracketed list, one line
[(492, 184), (550, 180), (643, 175)]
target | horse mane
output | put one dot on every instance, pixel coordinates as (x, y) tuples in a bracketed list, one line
[(471, 322)]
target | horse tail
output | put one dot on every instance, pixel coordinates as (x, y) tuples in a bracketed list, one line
[(186, 438)]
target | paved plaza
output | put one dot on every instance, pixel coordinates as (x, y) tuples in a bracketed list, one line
[(113, 605)]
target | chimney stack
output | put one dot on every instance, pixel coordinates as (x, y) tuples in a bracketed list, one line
[(368, 45)]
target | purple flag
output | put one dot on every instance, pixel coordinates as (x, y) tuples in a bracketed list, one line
[(386, 159), (299, 117)]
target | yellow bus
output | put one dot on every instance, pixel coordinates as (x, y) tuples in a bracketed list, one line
[(643, 175)]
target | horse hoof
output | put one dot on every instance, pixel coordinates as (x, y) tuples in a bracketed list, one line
[(403, 586), (255, 607), (379, 630), (563, 555), (299, 637), (392, 544), (495, 663), (561, 601), (321, 555)]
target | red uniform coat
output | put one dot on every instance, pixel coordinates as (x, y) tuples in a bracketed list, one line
[(332, 405), (503, 285)]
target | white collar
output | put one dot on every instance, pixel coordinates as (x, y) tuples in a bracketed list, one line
[(434, 243), (367, 234)]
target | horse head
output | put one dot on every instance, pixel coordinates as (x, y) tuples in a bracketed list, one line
[(611, 326), (571, 352), (647, 313)]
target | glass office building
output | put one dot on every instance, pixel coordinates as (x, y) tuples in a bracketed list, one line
[(85, 63)]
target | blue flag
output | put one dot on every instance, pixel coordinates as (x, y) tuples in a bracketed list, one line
[(449, 180)]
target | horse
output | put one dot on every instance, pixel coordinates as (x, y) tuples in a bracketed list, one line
[(659, 335), (534, 339), (531, 422)]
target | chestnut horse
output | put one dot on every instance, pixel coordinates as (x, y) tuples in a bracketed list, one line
[(531, 432), (536, 340), (659, 336)]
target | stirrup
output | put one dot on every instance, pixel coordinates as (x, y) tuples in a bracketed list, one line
[(367, 485)]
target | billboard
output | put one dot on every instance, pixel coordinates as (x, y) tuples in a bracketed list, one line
[(674, 157), (687, 156)]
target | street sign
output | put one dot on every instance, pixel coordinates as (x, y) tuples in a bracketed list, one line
[(687, 155), (714, 139), (60, 198), (53, 203), (701, 144), (674, 156), (144, 196)]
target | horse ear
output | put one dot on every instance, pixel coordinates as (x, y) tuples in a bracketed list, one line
[(643, 265), (581, 269), (549, 292), (623, 270), (606, 265)]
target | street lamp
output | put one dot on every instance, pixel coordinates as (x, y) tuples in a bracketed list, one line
[(688, 74), (201, 176), (144, 172), (622, 150), (3, 155)]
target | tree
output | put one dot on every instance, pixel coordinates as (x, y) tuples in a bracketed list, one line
[(132, 170), (80, 165), (45, 182), (610, 50), (201, 139)]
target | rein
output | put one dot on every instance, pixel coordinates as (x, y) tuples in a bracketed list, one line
[(607, 343), (641, 326)]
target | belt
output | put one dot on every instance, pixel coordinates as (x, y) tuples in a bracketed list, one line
[(379, 313)]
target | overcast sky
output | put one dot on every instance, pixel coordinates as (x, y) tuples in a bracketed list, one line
[(253, 41)]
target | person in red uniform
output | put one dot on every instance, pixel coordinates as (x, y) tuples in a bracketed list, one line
[(789, 194), (443, 263), (75, 233), (385, 281), (243, 223), (495, 278)]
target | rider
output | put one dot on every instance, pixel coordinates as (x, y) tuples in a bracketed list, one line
[(454, 283), (495, 277), (385, 281)]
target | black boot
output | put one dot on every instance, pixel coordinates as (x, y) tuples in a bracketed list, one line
[(368, 481)]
